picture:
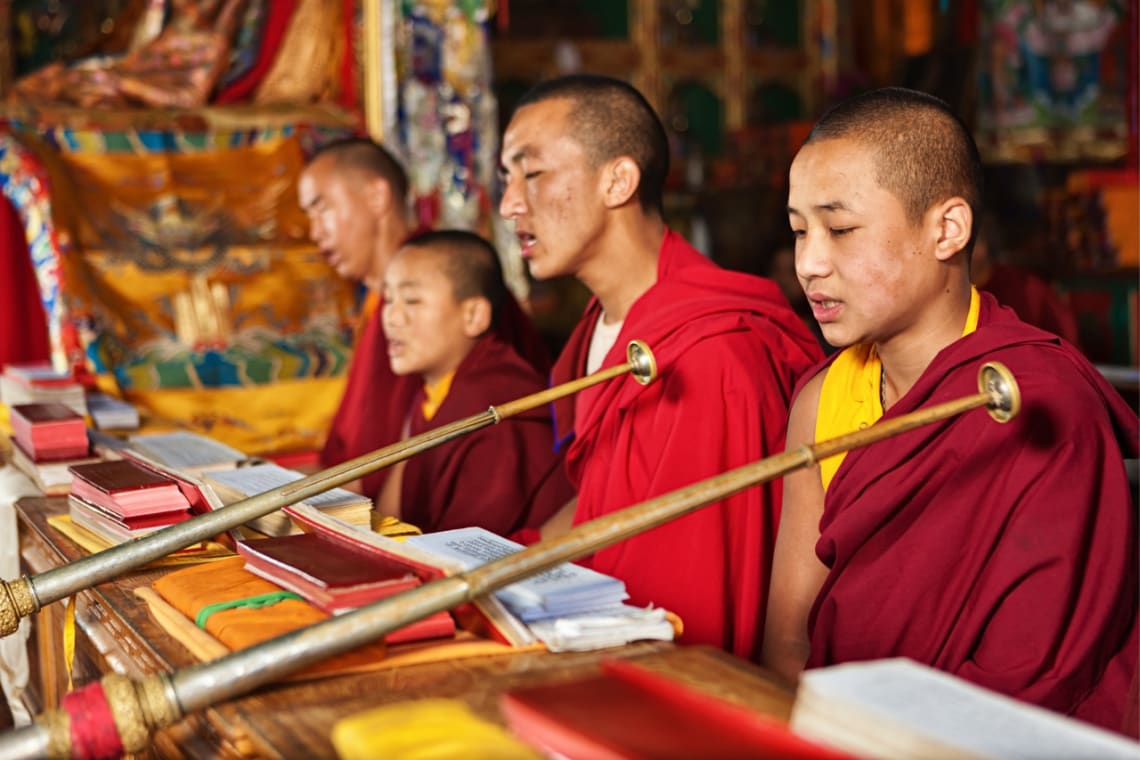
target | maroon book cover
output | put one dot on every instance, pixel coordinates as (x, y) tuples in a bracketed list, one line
[(126, 488), (331, 574)]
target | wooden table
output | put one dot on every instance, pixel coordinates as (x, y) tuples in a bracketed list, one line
[(115, 632)]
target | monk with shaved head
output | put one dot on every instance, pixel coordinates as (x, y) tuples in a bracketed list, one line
[(443, 301), (1004, 554), (584, 161)]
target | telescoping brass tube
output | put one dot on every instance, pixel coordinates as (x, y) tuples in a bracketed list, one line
[(24, 596), (140, 708)]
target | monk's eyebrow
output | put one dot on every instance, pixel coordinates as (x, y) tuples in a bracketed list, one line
[(829, 207)]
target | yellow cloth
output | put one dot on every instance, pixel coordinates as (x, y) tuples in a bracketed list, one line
[(207, 551), (849, 396), (425, 729), (187, 275), (435, 394)]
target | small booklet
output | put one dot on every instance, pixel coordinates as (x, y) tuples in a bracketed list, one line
[(331, 574), (127, 488), (243, 482), (568, 589), (110, 413)]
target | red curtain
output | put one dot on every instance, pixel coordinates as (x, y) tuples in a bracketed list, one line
[(23, 325)]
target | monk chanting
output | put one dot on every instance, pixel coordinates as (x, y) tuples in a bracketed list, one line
[(1003, 554), (443, 293), (355, 194), (584, 161)]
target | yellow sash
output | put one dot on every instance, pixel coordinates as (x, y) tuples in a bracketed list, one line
[(435, 395), (849, 396)]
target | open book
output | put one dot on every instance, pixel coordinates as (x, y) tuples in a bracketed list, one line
[(898, 708), (185, 451), (567, 589)]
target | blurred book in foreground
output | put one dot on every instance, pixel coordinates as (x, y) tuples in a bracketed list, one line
[(897, 708)]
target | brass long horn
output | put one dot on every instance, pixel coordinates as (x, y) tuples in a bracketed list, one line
[(142, 707), (24, 596)]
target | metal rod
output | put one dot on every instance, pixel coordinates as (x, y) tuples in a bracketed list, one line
[(209, 683), (22, 597), (204, 684)]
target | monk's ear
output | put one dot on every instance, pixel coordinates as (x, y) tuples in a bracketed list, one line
[(955, 221), (378, 196), (620, 180), (476, 316)]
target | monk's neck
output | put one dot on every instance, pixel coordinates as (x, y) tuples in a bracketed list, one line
[(624, 268), (907, 355), (390, 235)]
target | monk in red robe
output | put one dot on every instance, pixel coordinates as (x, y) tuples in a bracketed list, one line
[(442, 293), (1004, 554), (355, 194), (584, 162)]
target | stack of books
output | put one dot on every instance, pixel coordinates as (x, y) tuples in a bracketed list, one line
[(564, 590), (110, 413), (899, 708), (48, 438), (243, 482), (121, 500), (40, 383), (187, 452), (336, 576), (49, 431), (485, 616)]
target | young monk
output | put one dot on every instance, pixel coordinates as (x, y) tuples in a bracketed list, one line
[(584, 162), (443, 293), (355, 194), (1004, 554)]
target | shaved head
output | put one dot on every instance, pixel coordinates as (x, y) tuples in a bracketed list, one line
[(469, 262), (367, 157), (923, 153), (611, 119)]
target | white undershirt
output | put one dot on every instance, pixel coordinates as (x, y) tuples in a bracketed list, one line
[(603, 339)]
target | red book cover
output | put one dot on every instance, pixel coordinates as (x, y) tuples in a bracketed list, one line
[(126, 488), (49, 431), (147, 522), (631, 713)]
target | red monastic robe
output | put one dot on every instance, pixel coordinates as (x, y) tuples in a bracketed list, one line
[(375, 403), (1004, 554), (729, 349), (503, 477)]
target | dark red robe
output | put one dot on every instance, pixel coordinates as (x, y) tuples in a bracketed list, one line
[(1004, 554), (376, 401), (503, 477), (729, 348)]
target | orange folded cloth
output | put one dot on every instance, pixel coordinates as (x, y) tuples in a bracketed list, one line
[(194, 588)]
